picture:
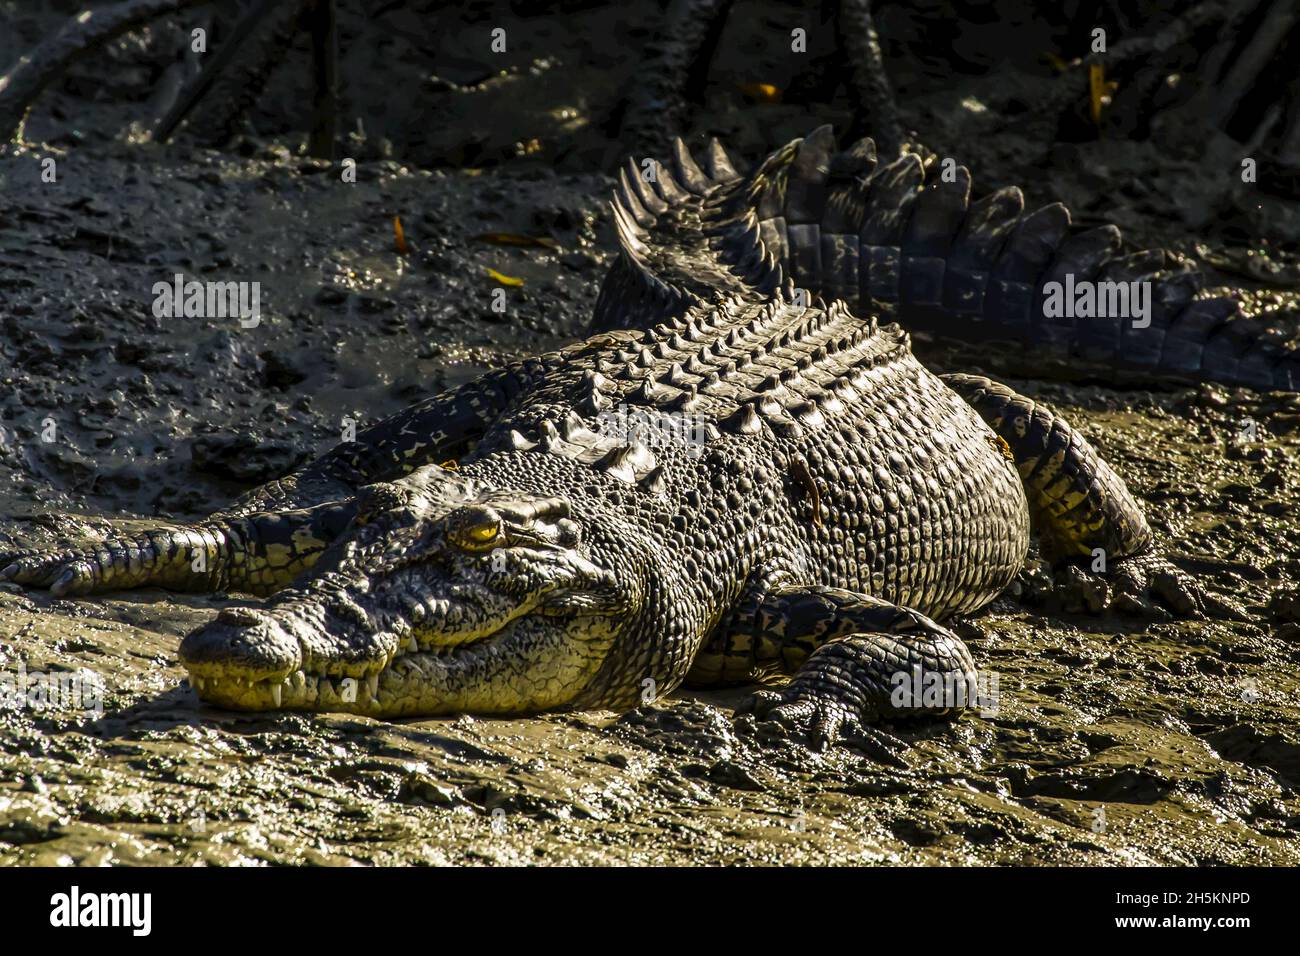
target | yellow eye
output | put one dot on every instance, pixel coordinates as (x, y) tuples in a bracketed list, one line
[(474, 529), (483, 534)]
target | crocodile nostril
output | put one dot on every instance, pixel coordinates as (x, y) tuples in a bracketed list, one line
[(244, 642), (239, 616)]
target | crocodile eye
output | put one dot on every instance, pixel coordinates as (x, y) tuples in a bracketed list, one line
[(475, 530), (483, 534)]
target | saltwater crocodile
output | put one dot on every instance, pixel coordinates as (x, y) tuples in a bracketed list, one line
[(751, 481)]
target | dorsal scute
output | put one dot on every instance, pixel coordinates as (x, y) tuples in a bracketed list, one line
[(791, 365)]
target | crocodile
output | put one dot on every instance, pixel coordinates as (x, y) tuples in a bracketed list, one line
[(749, 480)]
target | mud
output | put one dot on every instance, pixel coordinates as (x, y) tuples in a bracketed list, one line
[(1116, 740)]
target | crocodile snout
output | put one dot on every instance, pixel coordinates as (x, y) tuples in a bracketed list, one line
[(243, 641)]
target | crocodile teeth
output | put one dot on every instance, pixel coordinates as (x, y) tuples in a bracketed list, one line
[(277, 693), (372, 686)]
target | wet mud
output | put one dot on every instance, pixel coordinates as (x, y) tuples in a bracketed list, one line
[(1116, 740)]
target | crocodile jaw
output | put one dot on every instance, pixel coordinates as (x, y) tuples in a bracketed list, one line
[(413, 644), (534, 663), (491, 603)]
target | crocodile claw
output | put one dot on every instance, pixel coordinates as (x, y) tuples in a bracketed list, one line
[(1139, 582), (821, 722), (113, 564), (62, 572)]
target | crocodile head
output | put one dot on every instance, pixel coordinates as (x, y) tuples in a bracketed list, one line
[(441, 597)]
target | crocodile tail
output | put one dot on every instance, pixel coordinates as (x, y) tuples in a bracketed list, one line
[(905, 236), (683, 241)]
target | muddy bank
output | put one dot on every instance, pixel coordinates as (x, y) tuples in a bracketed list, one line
[(1116, 741)]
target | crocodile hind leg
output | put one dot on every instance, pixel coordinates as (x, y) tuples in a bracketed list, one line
[(1080, 508), (856, 660), (270, 535)]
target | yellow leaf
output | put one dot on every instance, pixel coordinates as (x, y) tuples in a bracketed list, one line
[(1098, 90), (516, 239), (504, 279), (761, 92), (402, 248)]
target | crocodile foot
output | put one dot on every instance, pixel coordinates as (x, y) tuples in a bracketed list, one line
[(867, 661), (818, 718), (1136, 581), (1147, 586), (821, 720), (113, 564)]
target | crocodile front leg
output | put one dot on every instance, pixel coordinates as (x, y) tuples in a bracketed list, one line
[(860, 660), (255, 553)]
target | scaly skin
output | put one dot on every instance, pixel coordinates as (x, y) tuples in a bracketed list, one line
[(907, 237), (802, 495)]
